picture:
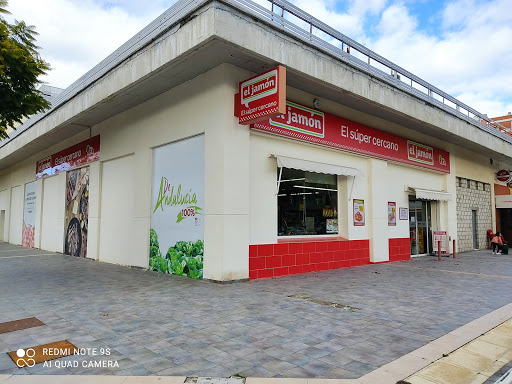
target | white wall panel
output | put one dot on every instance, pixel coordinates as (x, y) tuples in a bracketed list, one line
[(16, 216), (52, 218), (119, 233)]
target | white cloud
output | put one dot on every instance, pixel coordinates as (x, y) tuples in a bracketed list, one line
[(351, 21), (76, 35), (467, 54)]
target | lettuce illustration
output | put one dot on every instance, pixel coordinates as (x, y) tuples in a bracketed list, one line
[(185, 258)]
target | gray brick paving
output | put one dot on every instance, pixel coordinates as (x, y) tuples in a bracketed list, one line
[(168, 325)]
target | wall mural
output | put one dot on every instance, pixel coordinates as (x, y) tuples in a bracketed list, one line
[(177, 209), (29, 215), (77, 212)]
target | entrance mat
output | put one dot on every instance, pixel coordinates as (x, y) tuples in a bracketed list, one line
[(17, 325), (41, 353)]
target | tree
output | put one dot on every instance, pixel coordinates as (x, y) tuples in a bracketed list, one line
[(20, 67)]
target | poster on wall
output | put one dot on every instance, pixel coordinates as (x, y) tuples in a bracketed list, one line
[(177, 209), (391, 213), (404, 213), (358, 212), (77, 212), (29, 215), (332, 226), (440, 236)]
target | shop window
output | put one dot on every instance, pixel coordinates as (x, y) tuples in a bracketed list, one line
[(307, 203)]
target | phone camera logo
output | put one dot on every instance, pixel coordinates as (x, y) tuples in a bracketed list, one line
[(25, 357)]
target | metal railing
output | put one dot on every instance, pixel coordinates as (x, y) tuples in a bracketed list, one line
[(278, 15), (281, 13)]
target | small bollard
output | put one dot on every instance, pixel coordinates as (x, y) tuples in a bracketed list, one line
[(439, 251), (454, 253)]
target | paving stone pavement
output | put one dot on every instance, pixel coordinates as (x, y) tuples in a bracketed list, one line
[(155, 324)]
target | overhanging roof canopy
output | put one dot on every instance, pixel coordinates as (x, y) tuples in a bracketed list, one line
[(313, 166), (428, 194)]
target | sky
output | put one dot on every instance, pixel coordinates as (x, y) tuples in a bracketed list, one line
[(462, 47)]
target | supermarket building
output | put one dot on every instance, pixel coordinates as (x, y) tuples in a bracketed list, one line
[(142, 161)]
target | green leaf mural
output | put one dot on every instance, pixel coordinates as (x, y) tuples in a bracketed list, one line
[(185, 258)]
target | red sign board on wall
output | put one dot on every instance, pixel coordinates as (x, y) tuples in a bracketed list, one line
[(261, 97), (503, 175), (73, 157), (306, 124)]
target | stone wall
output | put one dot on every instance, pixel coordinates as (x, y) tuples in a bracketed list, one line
[(473, 195)]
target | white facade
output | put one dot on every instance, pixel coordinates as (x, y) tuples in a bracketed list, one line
[(240, 174)]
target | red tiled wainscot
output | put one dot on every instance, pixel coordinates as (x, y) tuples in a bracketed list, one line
[(399, 249), (290, 258)]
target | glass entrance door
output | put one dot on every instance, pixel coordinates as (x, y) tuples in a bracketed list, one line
[(420, 226)]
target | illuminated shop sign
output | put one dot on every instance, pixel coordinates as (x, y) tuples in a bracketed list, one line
[(309, 125), (503, 175), (73, 157), (261, 97)]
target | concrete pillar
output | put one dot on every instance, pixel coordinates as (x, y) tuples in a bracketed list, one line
[(377, 211), (227, 186), (93, 223), (449, 208)]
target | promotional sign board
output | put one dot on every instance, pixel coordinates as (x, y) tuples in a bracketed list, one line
[(443, 238), (73, 157), (391, 213), (331, 226), (504, 201), (306, 124), (404, 213), (77, 212), (358, 212), (261, 96), (177, 208), (29, 215), (503, 175)]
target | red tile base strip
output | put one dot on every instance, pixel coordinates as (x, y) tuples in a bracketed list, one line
[(274, 260), (399, 249)]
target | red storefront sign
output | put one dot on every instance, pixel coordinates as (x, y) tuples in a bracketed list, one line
[(261, 97), (306, 124), (503, 175), (73, 157)]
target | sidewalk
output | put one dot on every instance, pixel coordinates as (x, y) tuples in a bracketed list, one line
[(287, 327)]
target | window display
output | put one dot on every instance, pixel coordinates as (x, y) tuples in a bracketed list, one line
[(307, 203)]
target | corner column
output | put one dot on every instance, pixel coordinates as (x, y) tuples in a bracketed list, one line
[(377, 215)]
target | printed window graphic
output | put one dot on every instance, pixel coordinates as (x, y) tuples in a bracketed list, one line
[(77, 212), (177, 209)]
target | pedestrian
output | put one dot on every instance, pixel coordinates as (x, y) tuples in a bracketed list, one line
[(496, 242)]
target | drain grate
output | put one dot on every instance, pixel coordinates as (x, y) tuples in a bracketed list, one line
[(235, 379), (327, 303), (18, 325)]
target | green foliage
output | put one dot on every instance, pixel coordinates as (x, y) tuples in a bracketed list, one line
[(183, 259), (20, 67)]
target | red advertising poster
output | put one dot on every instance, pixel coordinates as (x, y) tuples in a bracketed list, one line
[(440, 236), (306, 124), (261, 97), (391, 213), (358, 212), (73, 157), (503, 175)]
